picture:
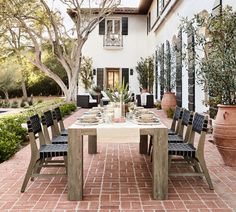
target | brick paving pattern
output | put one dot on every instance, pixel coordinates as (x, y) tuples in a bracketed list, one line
[(118, 178)]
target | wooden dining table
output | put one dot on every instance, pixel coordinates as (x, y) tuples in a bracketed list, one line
[(159, 161)]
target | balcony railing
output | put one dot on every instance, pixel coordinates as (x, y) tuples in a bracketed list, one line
[(113, 40)]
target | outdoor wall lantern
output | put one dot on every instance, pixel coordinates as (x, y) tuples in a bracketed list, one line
[(131, 71), (94, 71)]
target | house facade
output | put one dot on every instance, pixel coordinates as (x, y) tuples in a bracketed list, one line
[(118, 43)]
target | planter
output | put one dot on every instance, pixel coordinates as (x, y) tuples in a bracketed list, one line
[(224, 132), (168, 101)]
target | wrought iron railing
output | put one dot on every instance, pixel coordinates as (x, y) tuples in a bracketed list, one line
[(113, 40)]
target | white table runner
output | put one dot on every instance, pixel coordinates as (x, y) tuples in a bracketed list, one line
[(118, 133)]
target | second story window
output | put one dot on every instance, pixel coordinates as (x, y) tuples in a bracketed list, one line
[(113, 30), (113, 33)]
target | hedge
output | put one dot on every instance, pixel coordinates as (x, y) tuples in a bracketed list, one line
[(13, 135)]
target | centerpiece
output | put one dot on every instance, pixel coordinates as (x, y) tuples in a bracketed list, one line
[(120, 96)]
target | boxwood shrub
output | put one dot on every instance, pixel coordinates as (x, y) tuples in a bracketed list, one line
[(67, 108), (13, 135), (9, 143)]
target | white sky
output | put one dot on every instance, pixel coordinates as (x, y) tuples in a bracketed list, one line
[(63, 9)]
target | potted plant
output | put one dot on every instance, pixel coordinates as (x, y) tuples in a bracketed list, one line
[(145, 70), (120, 94), (167, 80), (86, 73), (217, 72)]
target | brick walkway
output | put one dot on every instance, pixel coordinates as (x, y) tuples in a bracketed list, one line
[(118, 178)]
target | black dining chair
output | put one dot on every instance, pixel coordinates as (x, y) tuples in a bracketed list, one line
[(44, 155)]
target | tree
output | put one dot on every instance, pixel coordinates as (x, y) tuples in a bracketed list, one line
[(86, 72), (145, 70), (9, 75), (43, 24)]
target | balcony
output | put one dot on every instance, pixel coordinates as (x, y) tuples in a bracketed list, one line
[(113, 41)]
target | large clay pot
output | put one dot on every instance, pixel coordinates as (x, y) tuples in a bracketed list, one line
[(224, 132), (168, 101)]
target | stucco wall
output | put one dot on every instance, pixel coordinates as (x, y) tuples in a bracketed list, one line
[(134, 47), (169, 27)]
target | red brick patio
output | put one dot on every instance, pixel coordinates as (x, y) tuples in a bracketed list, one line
[(118, 178)]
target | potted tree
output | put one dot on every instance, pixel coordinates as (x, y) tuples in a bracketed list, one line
[(217, 72), (145, 70), (86, 72), (167, 80)]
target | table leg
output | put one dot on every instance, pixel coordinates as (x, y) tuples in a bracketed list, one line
[(75, 165), (92, 144), (143, 144), (160, 164)]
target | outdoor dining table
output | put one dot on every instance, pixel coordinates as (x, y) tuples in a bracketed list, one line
[(159, 161)]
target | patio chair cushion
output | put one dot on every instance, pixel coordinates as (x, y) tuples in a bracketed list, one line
[(60, 140), (182, 149), (52, 150)]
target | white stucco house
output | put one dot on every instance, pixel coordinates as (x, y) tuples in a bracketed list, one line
[(118, 43)]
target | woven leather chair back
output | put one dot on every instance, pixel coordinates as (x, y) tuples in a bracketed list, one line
[(187, 118), (48, 118), (199, 123), (58, 114), (34, 124)]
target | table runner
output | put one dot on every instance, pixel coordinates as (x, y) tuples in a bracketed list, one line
[(118, 133)]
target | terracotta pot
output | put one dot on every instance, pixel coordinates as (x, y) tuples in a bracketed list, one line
[(168, 101), (224, 132)]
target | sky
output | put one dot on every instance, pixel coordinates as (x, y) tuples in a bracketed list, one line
[(61, 7)]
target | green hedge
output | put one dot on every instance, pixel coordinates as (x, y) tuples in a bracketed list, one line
[(13, 135), (67, 108)]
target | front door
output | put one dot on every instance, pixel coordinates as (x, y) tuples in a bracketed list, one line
[(113, 77)]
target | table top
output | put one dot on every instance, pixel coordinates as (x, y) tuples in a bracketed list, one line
[(126, 124)]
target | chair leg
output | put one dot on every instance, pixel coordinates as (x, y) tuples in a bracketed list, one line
[(29, 172), (150, 146), (66, 164), (196, 167), (205, 172), (169, 161), (37, 167)]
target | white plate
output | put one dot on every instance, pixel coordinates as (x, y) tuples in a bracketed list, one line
[(78, 122)]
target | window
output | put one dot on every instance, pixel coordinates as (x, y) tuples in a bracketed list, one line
[(113, 30), (113, 35), (161, 5)]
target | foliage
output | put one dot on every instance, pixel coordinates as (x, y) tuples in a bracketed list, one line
[(12, 135), (39, 108), (9, 75), (145, 70), (158, 105), (41, 23), (86, 72), (120, 93), (170, 112), (14, 104), (13, 124), (168, 78), (67, 108), (9, 144), (97, 89), (215, 38)]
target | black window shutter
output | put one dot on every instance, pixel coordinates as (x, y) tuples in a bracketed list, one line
[(102, 27), (124, 25), (125, 75), (100, 77)]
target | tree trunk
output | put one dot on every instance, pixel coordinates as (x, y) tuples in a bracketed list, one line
[(6, 95), (23, 87)]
